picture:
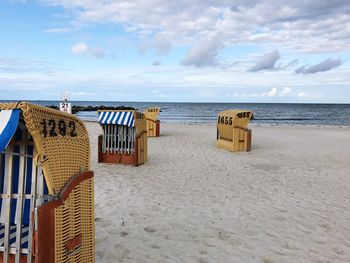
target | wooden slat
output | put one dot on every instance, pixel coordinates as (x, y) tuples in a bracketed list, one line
[(119, 138), (107, 138), (31, 211), (124, 139), (104, 139), (6, 203), (19, 208)]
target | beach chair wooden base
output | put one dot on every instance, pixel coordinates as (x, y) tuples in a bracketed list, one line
[(44, 236), (11, 259), (136, 158), (242, 141), (153, 128)]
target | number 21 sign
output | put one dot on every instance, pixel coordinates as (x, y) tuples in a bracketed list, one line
[(66, 107)]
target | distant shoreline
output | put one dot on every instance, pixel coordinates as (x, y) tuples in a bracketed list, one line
[(178, 102)]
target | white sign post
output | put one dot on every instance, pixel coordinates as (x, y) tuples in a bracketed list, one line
[(65, 105)]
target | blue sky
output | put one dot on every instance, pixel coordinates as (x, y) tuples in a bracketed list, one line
[(159, 50)]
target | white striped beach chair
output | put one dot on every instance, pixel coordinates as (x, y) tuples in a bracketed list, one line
[(124, 138)]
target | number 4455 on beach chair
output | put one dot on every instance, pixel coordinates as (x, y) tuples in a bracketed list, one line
[(46, 188)]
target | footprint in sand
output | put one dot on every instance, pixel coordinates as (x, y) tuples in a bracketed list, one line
[(124, 233), (154, 246), (202, 260), (338, 250), (266, 260), (224, 235), (150, 229)]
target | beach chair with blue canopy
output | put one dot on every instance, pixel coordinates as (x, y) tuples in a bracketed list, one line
[(124, 137), (46, 188)]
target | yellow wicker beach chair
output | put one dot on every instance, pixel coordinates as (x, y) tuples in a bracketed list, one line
[(124, 138), (153, 125), (232, 132), (47, 197)]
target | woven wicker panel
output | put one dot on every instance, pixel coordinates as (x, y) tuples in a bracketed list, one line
[(87, 221), (62, 156), (76, 217)]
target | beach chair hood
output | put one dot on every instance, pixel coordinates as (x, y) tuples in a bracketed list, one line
[(8, 126), (117, 118), (130, 118), (61, 141), (152, 113), (233, 119), (232, 130)]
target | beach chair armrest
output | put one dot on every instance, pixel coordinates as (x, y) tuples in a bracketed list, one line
[(72, 183)]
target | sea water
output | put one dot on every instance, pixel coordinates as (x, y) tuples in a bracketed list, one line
[(264, 113)]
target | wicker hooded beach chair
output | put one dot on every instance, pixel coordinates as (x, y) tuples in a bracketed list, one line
[(47, 198), (124, 138), (153, 125), (232, 132)]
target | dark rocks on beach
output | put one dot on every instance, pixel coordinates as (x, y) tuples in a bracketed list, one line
[(76, 108)]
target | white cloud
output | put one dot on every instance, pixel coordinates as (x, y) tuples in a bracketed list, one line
[(272, 92), (162, 44), (58, 30), (303, 26), (323, 66), (204, 53), (82, 48), (285, 92), (267, 62), (301, 95)]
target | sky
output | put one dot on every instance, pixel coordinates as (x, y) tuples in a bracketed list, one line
[(274, 51)]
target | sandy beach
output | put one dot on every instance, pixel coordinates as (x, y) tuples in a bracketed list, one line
[(288, 200)]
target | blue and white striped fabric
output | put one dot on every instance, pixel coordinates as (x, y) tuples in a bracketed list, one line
[(117, 117), (8, 126), (16, 172)]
